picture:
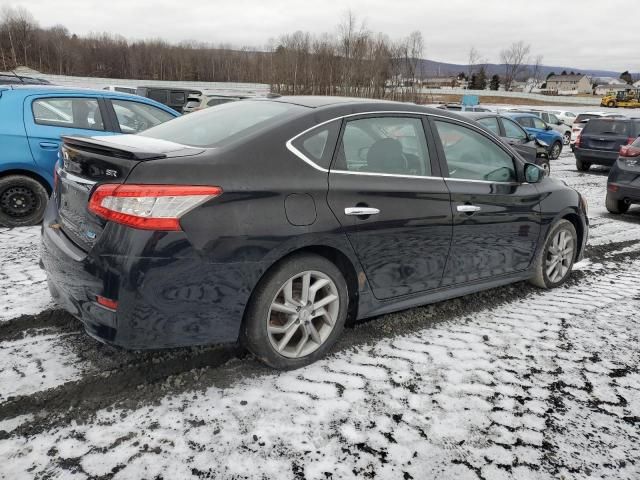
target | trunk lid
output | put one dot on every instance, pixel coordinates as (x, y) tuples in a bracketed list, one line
[(86, 162)]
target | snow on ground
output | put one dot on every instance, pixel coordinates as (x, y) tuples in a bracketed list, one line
[(23, 285), (534, 384)]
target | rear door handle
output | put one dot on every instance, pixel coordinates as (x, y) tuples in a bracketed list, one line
[(49, 145), (361, 211), (468, 208)]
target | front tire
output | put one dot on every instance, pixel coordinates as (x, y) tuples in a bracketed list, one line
[(566, 138), (582, 166), (611, 104), (296, 313), (616, 206), (23, 201), (546, 166), (555, 151), (555, 259)]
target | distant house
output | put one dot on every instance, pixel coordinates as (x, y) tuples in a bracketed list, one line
[(613, 87), (442, 82), (637, 84), (605, 81), (569, 84)]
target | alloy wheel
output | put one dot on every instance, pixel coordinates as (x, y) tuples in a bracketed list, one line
[(560, 255), (303, 314), (555, 150), (566, 139)]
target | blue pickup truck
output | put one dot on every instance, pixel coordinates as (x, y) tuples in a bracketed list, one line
[(32, 119)]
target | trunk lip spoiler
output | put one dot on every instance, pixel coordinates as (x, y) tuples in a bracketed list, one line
[(127, 151)]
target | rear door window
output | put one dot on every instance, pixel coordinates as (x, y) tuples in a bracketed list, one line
[(472, 156), (525, 121), (387, 145), (68, 112), (134, 117), (178, 98)]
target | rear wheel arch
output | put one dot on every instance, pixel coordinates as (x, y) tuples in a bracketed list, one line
[(28, 173), (335, 256)]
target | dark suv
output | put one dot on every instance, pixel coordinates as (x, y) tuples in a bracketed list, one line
[(601, 139)]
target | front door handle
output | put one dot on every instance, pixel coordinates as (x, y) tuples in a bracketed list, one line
[(49, 145), (361, 211), (468, 208)]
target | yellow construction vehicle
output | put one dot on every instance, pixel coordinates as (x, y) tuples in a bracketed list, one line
[(629, 98)]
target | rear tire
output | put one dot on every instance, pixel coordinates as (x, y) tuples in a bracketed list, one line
[(555, 259), (285, 330), (23, 201), (616, 206), (566, 138), (582, 166), (555, 151)]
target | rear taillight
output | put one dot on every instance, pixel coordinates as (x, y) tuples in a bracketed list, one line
[(629, 151), (148, 207), (577, 143)]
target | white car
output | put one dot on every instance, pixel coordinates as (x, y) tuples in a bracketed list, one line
[(582, 118), (564, 115), (120, 88)]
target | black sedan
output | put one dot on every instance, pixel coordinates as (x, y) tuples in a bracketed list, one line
[(273, 222), (527, 145), (623, 184)]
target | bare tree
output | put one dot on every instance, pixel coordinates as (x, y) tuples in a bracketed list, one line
[(536, 70), (473, 60), (514, 59)]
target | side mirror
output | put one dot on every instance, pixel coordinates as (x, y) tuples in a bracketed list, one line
[(531, 137), (548, 127), (533, 173)]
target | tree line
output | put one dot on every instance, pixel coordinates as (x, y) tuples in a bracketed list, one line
[(353, 61)]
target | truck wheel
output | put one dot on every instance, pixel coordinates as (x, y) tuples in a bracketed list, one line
[(611, 104), (616, 206), (22, 201)]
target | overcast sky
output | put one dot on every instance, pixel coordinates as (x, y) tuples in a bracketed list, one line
[(581, 34)]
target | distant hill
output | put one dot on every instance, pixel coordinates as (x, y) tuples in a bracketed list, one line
[(433, 68)]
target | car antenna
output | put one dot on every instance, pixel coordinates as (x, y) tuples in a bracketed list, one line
[(17, 76)]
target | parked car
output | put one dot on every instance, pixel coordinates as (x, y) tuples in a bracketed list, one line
[(200, 102), (458, 107), (623, 185), (601, 139), (32, 119), (527, 145), (564, 115), (542, 131), (120, 88), (175, 98), (6, 79), (555, 123), (241, 223), (582, 119)]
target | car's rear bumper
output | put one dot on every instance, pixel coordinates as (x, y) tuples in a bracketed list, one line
[(628, 193), (171, 300), (597, 157)]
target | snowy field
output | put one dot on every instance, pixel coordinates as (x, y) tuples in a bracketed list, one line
[(513, 383)]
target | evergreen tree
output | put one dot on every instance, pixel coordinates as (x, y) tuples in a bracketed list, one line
[(564, 72), (626, 77), (495, 83), (473, 83), (482, 79)]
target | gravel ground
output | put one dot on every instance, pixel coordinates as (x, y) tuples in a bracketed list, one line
[(510, 383)]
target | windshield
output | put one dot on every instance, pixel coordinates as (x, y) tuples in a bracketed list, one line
[(217, 126)]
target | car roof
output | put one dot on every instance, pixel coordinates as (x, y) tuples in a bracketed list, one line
[(521, 114), (39, 89)]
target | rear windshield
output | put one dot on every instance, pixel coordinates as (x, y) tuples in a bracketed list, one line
[(583, 117), (608, 127), (214, 127)]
